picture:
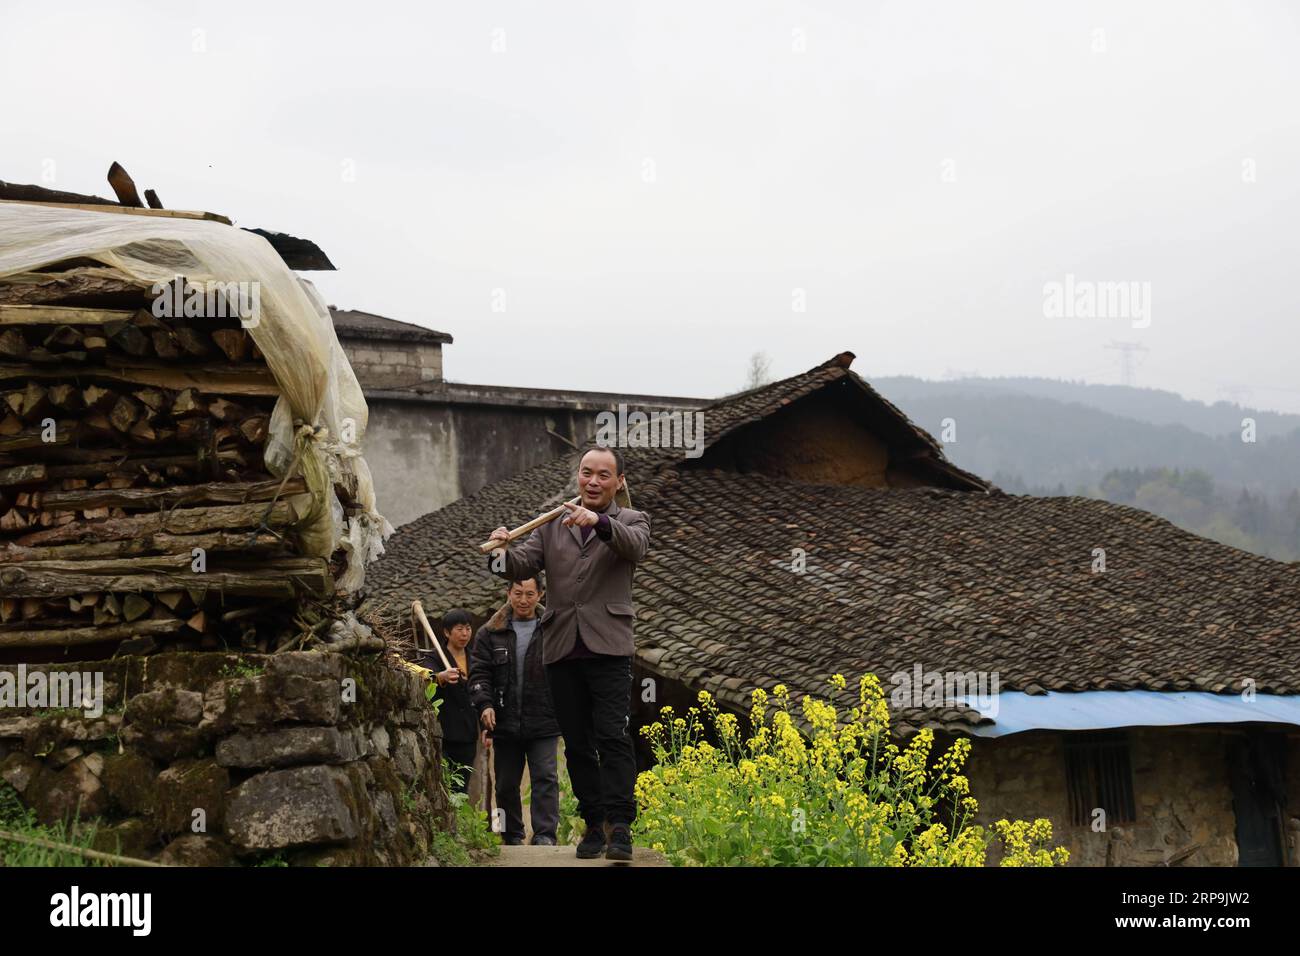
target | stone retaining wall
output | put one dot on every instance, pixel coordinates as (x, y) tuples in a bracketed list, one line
[(213, 759)]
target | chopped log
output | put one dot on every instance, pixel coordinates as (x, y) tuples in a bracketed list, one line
[(192, 341), (224, 434), (11, 425), (254, 429), (198, 622), (9, 609), (98, 423), (124, 414), (14, 520), (32, 607), (187, 403), (63, 337), (87, 635), (135, 607), (95, 344), (36, 402), (165, 344), (274, 577), (98, 398), (213, 493), (152, 199), (142, 431), (224, 410), (155, 400), (13, 402), (196, 430), (180, 521), (66, 397), (13, 345), (128, 337), (174, 600), (234, 342), (147, 322)]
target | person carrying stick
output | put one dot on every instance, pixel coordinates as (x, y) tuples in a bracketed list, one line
[(458, 717), (589, 557)]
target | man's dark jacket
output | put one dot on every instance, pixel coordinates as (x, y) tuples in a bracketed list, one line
[(494, 673)]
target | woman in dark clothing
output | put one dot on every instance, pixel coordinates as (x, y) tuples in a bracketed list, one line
[(458, 717)]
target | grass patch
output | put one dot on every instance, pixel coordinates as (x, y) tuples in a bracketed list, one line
[(471, 837), (19, 820)]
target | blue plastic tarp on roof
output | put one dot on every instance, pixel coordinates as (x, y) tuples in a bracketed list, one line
[(1014, 712)]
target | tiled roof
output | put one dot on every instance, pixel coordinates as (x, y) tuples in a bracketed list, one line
[(951, 580), (350, 323)]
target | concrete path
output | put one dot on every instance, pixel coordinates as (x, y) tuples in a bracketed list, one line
[(544, 856)]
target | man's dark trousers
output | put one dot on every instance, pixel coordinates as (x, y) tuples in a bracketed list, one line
[(544, 809), (593, 698)]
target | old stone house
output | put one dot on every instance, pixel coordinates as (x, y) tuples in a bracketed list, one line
[(430, 441), (1147, 679)]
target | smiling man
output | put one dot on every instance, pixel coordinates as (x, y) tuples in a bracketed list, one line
[(589, 557)]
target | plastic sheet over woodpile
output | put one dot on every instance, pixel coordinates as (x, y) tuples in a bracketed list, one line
[(129, 432), (293, 331)]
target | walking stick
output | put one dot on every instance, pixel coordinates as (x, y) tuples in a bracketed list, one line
[(623, 496), (418, 609), (489, 546)]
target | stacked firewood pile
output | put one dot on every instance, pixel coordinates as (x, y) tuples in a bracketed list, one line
[(135, 504)]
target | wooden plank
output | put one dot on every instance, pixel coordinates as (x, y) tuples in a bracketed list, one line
[(124, 186), (276, 577), (58, 637), (116, 460), (126, 210), (22, 475), (180, 521), (212, 493), (59, 315), (161, 543), (210, 380), (103, 286)]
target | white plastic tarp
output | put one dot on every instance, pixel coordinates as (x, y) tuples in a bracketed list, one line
[(320, 398), (1014, 712)]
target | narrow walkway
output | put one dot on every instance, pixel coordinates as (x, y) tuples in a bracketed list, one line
[(543, 856)]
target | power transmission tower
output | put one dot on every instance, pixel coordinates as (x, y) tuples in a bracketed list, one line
[(1127, 362)]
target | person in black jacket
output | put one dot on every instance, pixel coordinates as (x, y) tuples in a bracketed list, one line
[(510, 690), (458, 717)]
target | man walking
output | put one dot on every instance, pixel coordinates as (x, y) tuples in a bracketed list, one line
[(589, 557), (513, 699)]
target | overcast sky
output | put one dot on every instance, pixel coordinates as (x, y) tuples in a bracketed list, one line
[(651, 191)]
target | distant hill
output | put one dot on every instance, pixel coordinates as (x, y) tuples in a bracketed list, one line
[(1069, 441), (1180, 459), (1150, 405)]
